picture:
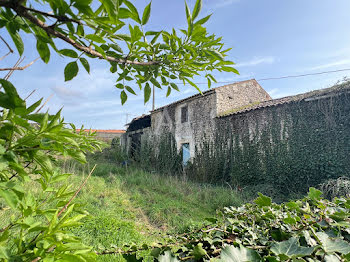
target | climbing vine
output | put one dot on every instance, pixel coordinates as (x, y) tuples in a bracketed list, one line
[(289, 148), (281, 150)]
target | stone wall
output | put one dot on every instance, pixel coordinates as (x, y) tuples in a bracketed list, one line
[(201, 114), (108, 137), (239, 95), (282, 148), (202, 110)]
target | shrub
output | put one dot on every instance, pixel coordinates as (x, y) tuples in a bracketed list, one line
[(30, 145), (339, 187)]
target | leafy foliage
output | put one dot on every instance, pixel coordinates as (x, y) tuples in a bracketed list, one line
[(112, 30), (30, 143), (310, 229)]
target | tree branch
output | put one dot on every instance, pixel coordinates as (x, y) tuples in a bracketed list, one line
[(47, 100), (61, 18), (19, 61), (8, 46), (19, 67), (30, 94), (21, 11), (3, 57), (77, 192)]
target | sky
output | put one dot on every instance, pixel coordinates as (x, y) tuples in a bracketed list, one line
[(270, 38)]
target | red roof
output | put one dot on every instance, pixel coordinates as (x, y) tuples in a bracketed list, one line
[(115, 131)]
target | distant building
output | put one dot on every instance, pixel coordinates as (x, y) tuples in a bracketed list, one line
[(106, 135)]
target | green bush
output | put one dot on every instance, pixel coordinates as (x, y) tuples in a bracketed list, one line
[(30, 146)]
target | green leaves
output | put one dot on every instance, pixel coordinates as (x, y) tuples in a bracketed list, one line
[(95, 38), (314, 193), (123, 97), (241, 254), (130, 90), (333, 245), (229, 69), (43, 50), (17, 40), (133, 10), (203, 20), (197, 8), (10, 99), (71, 70), (26, 154), (101, 29), (10, 197), (111, 6), (215, 54), (69, 52), (147, 92), (146, 14), (198, 251), (188, 14), (85, 64), (263, 201), (291, 249)]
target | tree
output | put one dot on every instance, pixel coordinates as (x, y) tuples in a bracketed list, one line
[(147, 57), (30, 141)]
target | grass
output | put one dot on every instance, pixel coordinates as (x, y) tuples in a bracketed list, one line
[(128, 205)]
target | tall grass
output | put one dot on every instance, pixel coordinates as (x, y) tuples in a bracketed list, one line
[(168, 203)]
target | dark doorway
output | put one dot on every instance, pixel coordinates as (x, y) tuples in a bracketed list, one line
[(135, 145)]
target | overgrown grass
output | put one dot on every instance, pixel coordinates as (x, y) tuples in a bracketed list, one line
[(128, 205)]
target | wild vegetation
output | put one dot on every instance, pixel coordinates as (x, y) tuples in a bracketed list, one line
[(41, 212), (273, 151), (127, 205), (310, 229), (31, 142)]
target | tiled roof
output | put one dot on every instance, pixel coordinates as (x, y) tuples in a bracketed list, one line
[(322, 93), (114, 131)]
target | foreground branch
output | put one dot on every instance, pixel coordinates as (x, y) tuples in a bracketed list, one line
[(8, 46), (19, 67), (64, 208), (77, 192), (60, 18), (22, 12), (19, 61)]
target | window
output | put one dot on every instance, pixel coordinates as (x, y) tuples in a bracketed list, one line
[(184, 114), (186, 155)]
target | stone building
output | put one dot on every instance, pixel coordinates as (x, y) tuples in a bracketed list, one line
[(191, 119), (237, 134)]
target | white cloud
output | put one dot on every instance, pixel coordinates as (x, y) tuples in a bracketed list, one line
[(331, 65), (256, 61), (273, 91), (66, 92), (223, 3), (103, 113)]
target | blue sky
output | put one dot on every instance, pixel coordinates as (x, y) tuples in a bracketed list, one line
[(269, 38)]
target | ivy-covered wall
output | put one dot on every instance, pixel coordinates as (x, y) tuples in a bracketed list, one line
[(278, 150), (286, 148)]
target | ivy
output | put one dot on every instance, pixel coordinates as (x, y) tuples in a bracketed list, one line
[(260, 233)]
